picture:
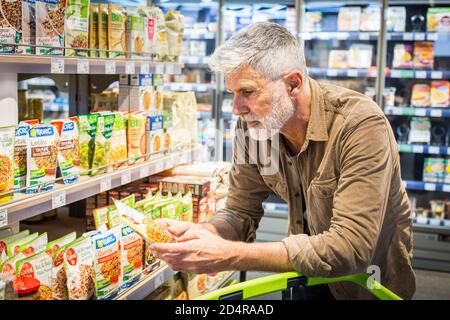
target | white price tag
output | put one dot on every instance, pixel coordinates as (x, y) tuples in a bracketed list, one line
[(144, 172), (159, 167), (419, 36), (332, 73), (405, 184), (169, 68), (433, 150), (436, 113), (396, 74), (417, 149), (408, 36), (422, 220), (125, 178), (193, 60), (57, 65), (58, 199), (352, 73), (194, 34), (430, 187), (145, 68), (82, 66), (432, 36), (202, 87), (159, 69), (3, 217), (105, 184), (110, 67), (159, 279), (446, 187), (420, 112), (421, 74), (185, 87), (270, 206), (306, 35), (364, 36), (436, 74), (448, 151), (130, 68), (342, 35), (435, 222)]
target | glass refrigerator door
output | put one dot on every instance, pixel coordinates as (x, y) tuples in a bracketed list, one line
[(236, 16), (416, 100), (340, 42)]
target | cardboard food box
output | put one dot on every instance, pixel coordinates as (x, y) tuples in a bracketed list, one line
[(423, 55), (124, 93), (438, 19)]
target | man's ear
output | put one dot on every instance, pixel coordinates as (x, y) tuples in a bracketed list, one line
[(294, 82)]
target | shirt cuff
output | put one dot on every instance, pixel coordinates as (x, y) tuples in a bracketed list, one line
[(304, 258)]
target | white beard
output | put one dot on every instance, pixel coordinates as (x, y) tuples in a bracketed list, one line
[(282, 110)]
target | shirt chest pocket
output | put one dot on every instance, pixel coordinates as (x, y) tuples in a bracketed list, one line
[(320, 204), (277, 185)]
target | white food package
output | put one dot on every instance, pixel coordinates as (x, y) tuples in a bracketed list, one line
[(360, 56)]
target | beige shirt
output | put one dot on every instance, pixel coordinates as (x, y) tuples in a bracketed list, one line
[(357, 209)]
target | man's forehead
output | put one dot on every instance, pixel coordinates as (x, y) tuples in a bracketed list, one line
[(241, 76)]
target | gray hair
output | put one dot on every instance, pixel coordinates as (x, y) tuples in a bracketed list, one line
[(270, 49)]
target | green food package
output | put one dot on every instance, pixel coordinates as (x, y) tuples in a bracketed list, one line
[(113, 217), (13, 248), (102, 148), (172, 210), (187, 208), (7, 240), (38, 266), (87, 126), (77, 27), (119, 149), (53, 246)]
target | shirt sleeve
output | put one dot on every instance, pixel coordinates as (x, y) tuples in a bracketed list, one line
[(246, 193), (359, 204)]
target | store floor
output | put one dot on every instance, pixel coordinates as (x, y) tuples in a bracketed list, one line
[(430, 284)]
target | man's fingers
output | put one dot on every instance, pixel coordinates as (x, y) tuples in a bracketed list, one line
[(161, 248), (188, 235)]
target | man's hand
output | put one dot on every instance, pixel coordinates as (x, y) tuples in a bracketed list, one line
[(197, 250), (175, 227)]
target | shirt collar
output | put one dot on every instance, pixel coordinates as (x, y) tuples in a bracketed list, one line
[(317, 124)]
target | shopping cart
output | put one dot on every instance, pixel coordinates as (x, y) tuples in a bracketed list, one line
[(289, 280)]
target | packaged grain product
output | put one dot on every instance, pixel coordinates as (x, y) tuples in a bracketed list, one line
[(145, 227), (102, 149), (119, 150), (10, 24), (54, 245), (78, 263), (141, 94), (155, 143), (396, 19), (403, 56), (13, 248), (438, 19), (93, 30), (107, 263), (87, 129), (131, 250), (100, 217), (77, 27), (360, 56), (59, 275), (349, 18), (187, 209), (136, 137), (34, 246), (103, 30), (50, 16), (7, 136), (38, 266), (69, 149), (117, 35), (20, 157), (440, 94), (113, 216), (28, 27), (420, 96), (423, 55), (434, 170), (135, 31), (9, 265), (370, 18), (175, 29), (7, 240), (155, 41), (42, 152)]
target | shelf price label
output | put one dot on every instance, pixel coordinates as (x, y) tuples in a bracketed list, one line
[(417, 149), (430, 186), (130, 67), (332, 73), (105, 184), (436, 74), (57, 65), (82, 66), (420, 112), (436, 113), (126, 177), (58, 199), (110, 67), (421, 74), (193, 60), (144, 172), (159, 279), (422, 220), (352, 73), (364, 36), (159, 69), (433, 150), (269, 207), (145, 68), (448, 151), (3, 217), (432, 36), (435, 222), (396, 74), (408, 36), (419, 36), (446, 187), (169, 68)]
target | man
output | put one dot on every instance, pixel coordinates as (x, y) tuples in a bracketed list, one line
[(339, 171)]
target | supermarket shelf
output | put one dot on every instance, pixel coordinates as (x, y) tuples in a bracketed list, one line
[(148, 284), (26, 206), (195, 60), (412, 36), (43, 64), (426, 186), (418, 112), (418, 74), (363, 36), (193, 34), (275, 210), (56, 108), (342, 73), (181, 86), (428, 225), (424, 149)]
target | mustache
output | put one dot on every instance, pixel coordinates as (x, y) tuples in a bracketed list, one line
[(250, 117)]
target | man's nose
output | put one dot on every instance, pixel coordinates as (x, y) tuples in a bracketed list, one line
[(240, 107)]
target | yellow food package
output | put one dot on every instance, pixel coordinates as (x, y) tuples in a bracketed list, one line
[(440, 94)]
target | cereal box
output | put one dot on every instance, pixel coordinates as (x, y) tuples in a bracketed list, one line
[(438, 19), (423, 55)]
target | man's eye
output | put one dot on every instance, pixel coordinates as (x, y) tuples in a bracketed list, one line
[(246, 93)]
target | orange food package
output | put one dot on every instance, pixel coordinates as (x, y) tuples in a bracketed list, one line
[(420, 96), (423, 55), (440, 94)]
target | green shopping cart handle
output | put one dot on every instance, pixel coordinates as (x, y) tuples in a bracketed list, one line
[(279, 282)]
